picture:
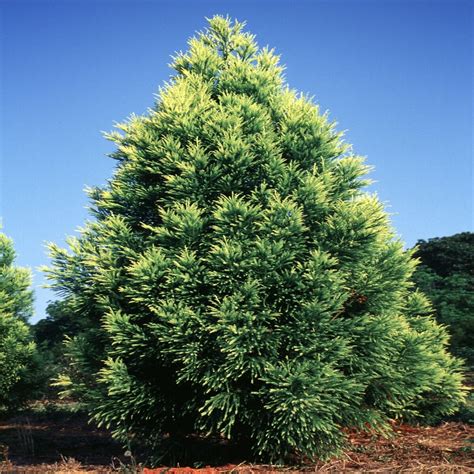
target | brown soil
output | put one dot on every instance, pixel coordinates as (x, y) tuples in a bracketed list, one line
[(447, 448), (54, 441), (66, 443)]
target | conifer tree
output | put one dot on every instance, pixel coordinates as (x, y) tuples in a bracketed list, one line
[(237, 280), (446, 276), (17, 351)]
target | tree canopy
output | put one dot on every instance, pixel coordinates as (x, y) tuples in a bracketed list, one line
[(17, 350), (446, 276), (237, 280)]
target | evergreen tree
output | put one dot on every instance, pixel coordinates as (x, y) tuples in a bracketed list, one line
[(446, 275), (449, 255), (18, 361), (237, 280)]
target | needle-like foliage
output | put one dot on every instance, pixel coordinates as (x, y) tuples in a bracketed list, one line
[(237, 280), (17, 350)]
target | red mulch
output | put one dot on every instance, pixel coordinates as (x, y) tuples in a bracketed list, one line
[(447, 448)]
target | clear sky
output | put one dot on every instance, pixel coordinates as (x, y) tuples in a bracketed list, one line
[(397, 75)]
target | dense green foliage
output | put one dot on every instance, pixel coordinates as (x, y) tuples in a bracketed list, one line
[(16, 298), (448, 256), (58, 324), (237, 280), (446, 276), (49, 334), (18, 358)]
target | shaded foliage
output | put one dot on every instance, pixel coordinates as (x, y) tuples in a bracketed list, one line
[(50, 334), (446, 276), (448, 256)]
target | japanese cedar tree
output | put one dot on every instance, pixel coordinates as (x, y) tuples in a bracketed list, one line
[(237, 280)]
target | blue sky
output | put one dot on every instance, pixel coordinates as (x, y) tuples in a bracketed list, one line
[(397, 75)]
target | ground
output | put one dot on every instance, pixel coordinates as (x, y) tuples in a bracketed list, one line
[(55, 437)]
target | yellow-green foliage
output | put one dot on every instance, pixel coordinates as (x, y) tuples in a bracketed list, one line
[(17, 351), (238, 281)]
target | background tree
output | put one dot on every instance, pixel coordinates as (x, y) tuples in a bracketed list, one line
[(18, 359), (16, 298), (446, 276), (50, 334), (237, 281)]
